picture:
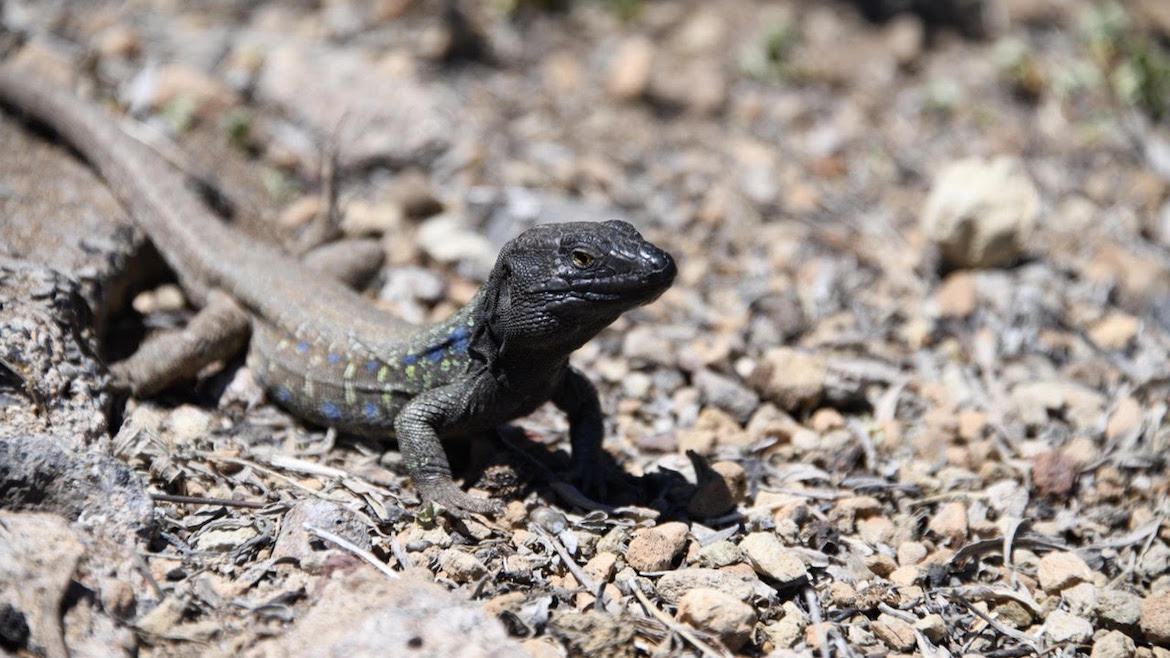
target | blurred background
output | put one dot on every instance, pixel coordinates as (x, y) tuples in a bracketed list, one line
[(744, 131)]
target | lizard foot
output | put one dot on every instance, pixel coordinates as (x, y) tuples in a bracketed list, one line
[(456, 501), (590, 479)]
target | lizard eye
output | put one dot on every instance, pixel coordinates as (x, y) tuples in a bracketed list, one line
[(582, 259)]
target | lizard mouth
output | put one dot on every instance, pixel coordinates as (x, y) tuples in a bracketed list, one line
[(646, 281)]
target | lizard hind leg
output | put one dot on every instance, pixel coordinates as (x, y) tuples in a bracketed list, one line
[(217, 332), (220, 330)]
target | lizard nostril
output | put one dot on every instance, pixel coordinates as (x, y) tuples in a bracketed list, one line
[(657, 259), (653, 256)]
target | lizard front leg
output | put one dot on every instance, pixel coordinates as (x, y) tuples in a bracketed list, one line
[(577, 397), (418, 426)]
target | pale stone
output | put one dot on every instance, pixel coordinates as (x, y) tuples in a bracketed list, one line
[(1061, 569), (770, 558), (720, 613)]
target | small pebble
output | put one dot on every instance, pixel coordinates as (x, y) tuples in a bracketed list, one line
[(720, 613), (932, 626), (981, 212), (1061, 569), (1113, 644), (904, 576), (461, 567), (655, 549), (950, 523), (601, 566), (881, 564), (770, 558), (1155, 618), (911, 552), (629, 73), (673, 584), (895, 633), (1080, 599), (1065, 627), (727, 394), (790, 378), (1117, 608), (842, 594)]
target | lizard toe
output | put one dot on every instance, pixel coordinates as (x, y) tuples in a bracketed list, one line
[(457, 502)]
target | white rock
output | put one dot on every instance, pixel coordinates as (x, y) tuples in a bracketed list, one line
[(981, 212), (723, 614), (461, 567), (1064, 627), (770, 558), (1059, 570), (1113, 644), (1081, 599), (1117, 607)]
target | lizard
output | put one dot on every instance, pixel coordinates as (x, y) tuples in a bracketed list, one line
[(325, 353)]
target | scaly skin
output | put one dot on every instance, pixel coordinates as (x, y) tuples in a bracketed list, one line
[(327, 355)]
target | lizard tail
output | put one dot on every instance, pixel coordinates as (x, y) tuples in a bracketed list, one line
[(160, 207)]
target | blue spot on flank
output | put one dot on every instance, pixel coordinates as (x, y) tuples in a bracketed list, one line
[(330, 410), (410, 359), (283, 394), (436, 354), (462, 340), (332, 358), (371, 365), (371, 410), (302, 346)]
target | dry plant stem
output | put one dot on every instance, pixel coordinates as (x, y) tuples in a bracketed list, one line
[(210, 456), (1146, 546), (1008, 540), (927, 647), (347, 545), (284, 478), (199, 500), (976, 549), (900, 614), (569, 562), (989, 593), (866, 442), (1142, 533), (1029, 640), (684, 631), (322, 447), (144, 570), (400, 554), (305, 466), (814, 612)]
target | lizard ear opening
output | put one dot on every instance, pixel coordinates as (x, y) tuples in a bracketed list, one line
[(496, 301), (498, 297)]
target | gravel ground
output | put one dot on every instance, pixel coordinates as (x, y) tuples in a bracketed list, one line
[(908, 395)]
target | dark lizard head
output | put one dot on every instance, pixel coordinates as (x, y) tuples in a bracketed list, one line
[(556, 285)]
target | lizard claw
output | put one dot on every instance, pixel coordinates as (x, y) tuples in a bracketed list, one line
[(457, 502)]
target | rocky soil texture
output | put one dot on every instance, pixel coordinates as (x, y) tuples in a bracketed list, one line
[(908, 396)]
